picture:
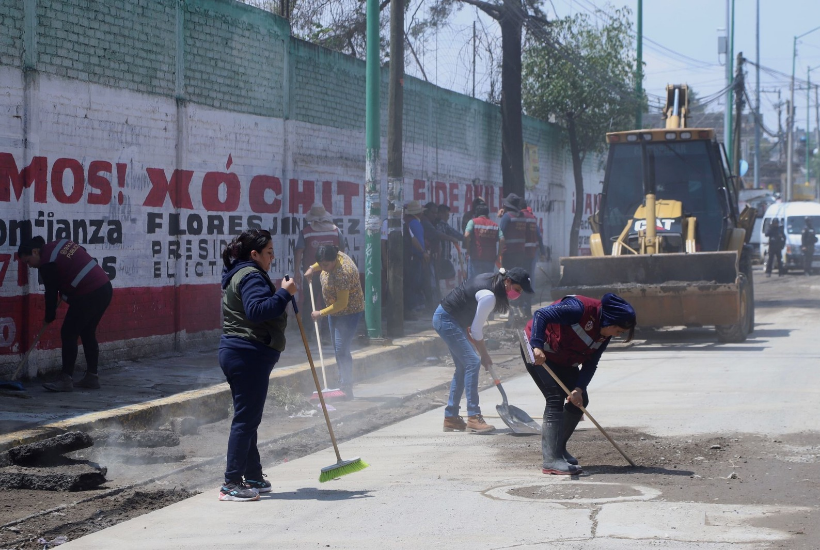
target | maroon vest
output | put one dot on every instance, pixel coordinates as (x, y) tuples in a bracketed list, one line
[(77, 272), (573, 344), (484, 244), (531, 239), (314, 239), (515, 236)]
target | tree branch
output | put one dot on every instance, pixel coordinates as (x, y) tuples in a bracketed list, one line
[(413, 51), (490, 9)]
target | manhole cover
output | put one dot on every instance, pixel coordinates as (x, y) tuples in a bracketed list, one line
[(574, 491)]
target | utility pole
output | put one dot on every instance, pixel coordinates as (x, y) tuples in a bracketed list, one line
[(740, 84), (639, 71), (808, 125), (790, 129), (730, 58), (757, 101), (372, 179), (395, 172), (474, 48), (790, 119)]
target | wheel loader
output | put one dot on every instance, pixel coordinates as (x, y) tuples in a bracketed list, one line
[(668, 236)]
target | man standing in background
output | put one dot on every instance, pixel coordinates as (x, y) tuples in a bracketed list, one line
[(319, 230), (483, 240)]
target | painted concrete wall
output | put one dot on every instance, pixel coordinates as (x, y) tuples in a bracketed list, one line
[(151, 132)]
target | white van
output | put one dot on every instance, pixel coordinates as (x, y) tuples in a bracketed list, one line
[(792, 217)]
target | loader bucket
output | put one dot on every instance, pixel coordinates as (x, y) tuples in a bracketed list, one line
[(697, 289)]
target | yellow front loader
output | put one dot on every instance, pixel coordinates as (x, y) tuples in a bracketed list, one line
[(668, 236)]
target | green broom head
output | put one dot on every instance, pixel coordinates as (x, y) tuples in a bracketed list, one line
[(342, 468)]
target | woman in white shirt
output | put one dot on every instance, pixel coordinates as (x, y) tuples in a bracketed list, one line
[(459, 320)]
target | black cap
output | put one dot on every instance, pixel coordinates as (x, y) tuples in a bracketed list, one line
[(519, 276), (430, 205)]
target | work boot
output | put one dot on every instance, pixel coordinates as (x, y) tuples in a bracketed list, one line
[(64, 384), (454, 424), (477, 425), (568, 427), (554, 463), (89, 381)]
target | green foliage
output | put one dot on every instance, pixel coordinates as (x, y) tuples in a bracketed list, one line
[(590, 78)]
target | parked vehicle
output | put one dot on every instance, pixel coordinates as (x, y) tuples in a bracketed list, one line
[(792, 216)]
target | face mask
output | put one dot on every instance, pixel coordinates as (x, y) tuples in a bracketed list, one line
[(513, 294)]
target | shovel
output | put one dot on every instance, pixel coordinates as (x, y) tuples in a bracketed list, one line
[(517, 420)]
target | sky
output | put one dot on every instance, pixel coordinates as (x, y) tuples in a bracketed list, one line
[(680, 46)]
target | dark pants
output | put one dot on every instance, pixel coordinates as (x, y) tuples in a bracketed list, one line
[(774, 255), (808, 258), (248, 374), (81, 320), (414, 286), (555, 396)]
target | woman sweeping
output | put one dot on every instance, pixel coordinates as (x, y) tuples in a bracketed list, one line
[(572, 331), (342, 289), (66, 268), (253, 336), (459, 320)]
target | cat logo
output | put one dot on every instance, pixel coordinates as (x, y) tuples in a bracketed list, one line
[(589, 326)]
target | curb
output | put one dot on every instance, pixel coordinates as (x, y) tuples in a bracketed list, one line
[(212, 403)]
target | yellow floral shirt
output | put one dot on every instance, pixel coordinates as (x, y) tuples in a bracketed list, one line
[(343, 276)]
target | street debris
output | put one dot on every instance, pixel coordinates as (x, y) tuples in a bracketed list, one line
[(46, 451), (132, 438)]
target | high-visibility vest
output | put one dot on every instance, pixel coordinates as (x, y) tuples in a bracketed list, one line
[(484, 244), (314, 239), (569, 345), (531, 239), (77, 272), (515, 235)]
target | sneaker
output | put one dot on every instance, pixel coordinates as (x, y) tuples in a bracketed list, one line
[(454, 424), (89, 381), (476, 424), (260, 486), (65, 384), (238, 492)]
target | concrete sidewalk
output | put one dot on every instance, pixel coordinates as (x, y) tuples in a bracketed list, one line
[(148, 392)]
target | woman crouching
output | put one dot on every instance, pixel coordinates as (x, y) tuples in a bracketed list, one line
[(570, 332)]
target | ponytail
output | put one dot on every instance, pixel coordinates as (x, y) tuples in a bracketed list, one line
[(242, 245), (502, 302)]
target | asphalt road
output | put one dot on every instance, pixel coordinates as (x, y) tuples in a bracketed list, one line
[(668, 399)]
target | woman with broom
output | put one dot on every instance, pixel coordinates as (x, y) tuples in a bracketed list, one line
[(253, 336), (459, 320), (342, 289), (570, 332)]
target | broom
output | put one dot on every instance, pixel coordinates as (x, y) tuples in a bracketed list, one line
[(13, 384), (329, 394), (342, 467)]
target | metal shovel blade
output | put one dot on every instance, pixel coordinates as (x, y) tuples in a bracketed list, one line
[(517, 420)]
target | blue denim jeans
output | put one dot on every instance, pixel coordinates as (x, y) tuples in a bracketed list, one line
[(477, 267), (343, 329), (467, 363)]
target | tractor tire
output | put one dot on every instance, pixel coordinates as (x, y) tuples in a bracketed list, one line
[(732, 334)]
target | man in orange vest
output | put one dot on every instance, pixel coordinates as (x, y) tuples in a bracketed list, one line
[(482, 239)]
